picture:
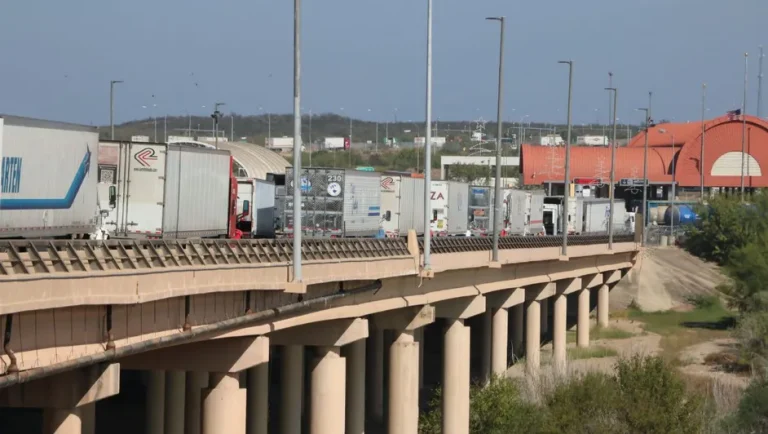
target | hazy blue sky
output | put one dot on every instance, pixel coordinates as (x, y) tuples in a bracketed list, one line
[(58, 57)]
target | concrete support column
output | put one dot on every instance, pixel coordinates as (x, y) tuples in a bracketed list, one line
[(456, 378), (518, 313), (174, 402), (419, 336), (404, 384), (193, 401), (499, 332), (155, 403), (256, 420), (376, 390), (327, 392), (224, 405), (544, 307), (62, 421), (487, 346), (292, 389), (559, 320), (602, 306), (533, 336), (582, 325), (88, 418), (355, 412)]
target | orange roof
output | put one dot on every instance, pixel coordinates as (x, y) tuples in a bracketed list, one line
[(546, 163)]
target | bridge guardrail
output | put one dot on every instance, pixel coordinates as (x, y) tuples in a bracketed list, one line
[(474, 244)]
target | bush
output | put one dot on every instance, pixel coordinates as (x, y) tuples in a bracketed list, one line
[(585, 405), (654, 399), (752, 414)]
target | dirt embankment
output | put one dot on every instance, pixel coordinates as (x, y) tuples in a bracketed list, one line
[(665, 278)]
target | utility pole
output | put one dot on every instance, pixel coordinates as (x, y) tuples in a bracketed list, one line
[(428, 145), (612, 188), (216, 116), (610, 86), (297, 224), (232, 127), (703, 131), (645, 166), (744, 122), (567, 186), (497, 187), (310, 138), (760, 85), (112, 107)]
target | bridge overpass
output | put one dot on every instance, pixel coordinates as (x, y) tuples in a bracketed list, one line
[(215, 337)]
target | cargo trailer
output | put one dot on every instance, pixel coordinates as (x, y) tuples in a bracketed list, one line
[(480, 210), (256, 208), (156, 190), (402, 204), (575, 222), (450, 200), (597, 213), (47, 179), (335, 203)]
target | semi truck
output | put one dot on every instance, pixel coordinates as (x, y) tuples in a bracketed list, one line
[(523, 212), (402, 204), (450, 200), (256, 208), (597, 213), (157, 190), (335, 203), (47, 179)]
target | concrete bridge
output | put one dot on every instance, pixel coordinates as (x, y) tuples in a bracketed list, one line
[(212, 336)]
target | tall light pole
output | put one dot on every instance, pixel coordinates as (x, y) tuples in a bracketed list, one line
[(610, 86), (112, 107), (672, 205), (744, 122), (310, 138), (760, 85), (497, 187), (647, 112), (428, 147), (297, 226), (703, 114), (216, 116), (567, 186), (612, 188)]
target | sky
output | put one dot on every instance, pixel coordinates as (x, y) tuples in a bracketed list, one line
[(367, 58)]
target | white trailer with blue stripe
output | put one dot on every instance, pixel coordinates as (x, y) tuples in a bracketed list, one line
[(47, 179)]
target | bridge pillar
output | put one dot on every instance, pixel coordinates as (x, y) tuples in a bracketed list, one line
[(498, 303), (419, 337), (376, 385), (486, 346), (582, 327), (518, 315), (544, 308), (602, 306), (193, 400), (257, 417), (532, 336), (62, 421), (559, 320), (224, 405), (404, 384), (456, 378), (355, 399), (155, 403), (174, 402), (292, 389), (328, 389), (88, 418), (404, 364)]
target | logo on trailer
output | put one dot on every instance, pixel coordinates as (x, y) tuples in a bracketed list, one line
[(334, 189), (437, 195), (387, 183), (145, 156)]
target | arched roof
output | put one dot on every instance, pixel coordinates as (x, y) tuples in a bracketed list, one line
[(256, 160), (546, 163)]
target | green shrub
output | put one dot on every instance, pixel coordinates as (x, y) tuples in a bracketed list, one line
[(654, 399), (585, 405), (752, 414)]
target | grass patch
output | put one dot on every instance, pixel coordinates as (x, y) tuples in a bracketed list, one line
[(708, 320), (594, 352), (601, 333)]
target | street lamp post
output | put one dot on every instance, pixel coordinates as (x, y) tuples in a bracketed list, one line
[(701, 158), (612, 187), (310, 138), (428, 147), (744, 122), (645, 168), (112, 107), (216, 116), (566, 191), (672, 204), (497, 187), (297, 225)]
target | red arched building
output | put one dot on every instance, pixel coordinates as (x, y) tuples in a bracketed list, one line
[(722, 156)]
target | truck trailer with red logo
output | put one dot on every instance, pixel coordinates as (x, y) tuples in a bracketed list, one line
[(158, 190), (402, 204)]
